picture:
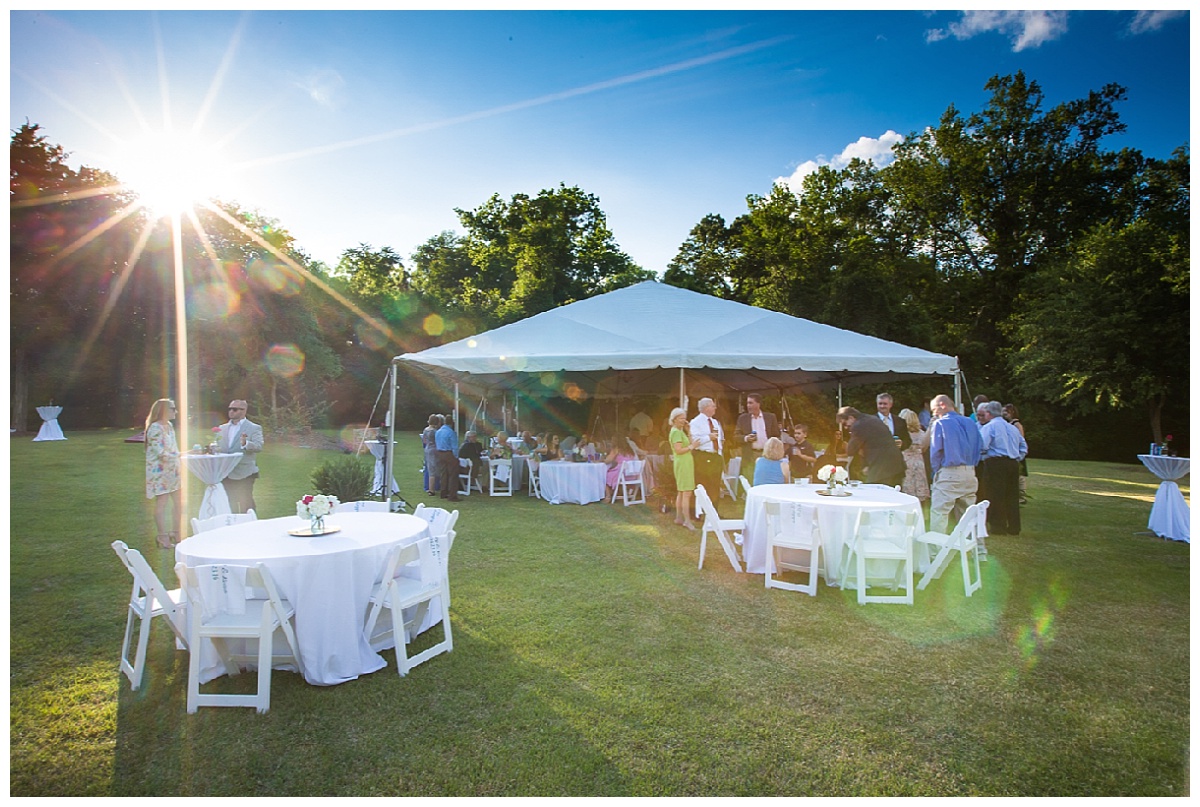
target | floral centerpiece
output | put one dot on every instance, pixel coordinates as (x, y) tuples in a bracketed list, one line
[(315, 508), (833, 475)]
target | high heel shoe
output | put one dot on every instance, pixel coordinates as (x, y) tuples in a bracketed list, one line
[(164, 540)]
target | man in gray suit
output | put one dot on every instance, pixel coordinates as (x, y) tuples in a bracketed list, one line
[(240, 435)]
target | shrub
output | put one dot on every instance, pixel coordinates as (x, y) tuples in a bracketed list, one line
[(347, 477)]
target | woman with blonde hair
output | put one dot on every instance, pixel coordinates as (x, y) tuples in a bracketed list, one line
[(162, 471), (682, 443), (772, 467), (916, 480)]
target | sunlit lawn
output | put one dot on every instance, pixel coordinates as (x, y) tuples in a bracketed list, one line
[(592, 658)]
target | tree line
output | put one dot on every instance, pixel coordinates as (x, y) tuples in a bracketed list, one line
[(1056, 270)]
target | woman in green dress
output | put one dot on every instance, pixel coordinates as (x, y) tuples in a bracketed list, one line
[(682, 444)]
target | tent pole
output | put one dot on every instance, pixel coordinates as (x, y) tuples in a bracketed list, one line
[(388, 451), (839, 394), (958, 388), (682, 392), (456, 431)]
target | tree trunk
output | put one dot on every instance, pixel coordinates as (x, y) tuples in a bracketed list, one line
[(1156, 407), (274, 395), (20, 391)]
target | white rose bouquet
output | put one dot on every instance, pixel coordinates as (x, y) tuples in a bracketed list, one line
[(835, 473), (317, 506)]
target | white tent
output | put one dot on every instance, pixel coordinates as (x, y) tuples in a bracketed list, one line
[(652, 338)]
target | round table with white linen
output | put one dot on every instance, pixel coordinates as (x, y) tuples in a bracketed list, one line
[(50, 429), (328, 580), (835, 519), (211, 469), (377, 449), (572, 482), (1170, 515)]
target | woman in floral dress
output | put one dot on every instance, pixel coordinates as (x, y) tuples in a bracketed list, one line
[(162, 471), (916, 483)]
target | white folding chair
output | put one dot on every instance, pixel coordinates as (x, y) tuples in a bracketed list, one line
[(727, 530), (441, 530), (362, 507), (964, 540), (220, 607), (226, 520), (465, 467), (149, 598), (500, 477), (412, 577), (630, 485), (535, 481), (729, 477), (885, 535), (981, 530), (792, 526), (745, 484)]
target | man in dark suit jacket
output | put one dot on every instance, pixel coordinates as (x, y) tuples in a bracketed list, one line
[(754, 428), (895, 424), (881, 458)]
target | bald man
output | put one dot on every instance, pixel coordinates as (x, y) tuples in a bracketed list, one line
[(239, 435)]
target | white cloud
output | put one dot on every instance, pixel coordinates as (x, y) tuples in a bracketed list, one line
[(1144, 21), (1027, 29), (876, 149)]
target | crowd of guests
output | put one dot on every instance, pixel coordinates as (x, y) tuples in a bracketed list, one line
[(928, 453)]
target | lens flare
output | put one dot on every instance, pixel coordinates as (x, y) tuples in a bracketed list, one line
[(574, 392), (434, 325), (210, 301), (275, 277), (285, 360), (369, 337)]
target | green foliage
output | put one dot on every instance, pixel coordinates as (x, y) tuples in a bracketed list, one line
[(296, 418), (348, 477)]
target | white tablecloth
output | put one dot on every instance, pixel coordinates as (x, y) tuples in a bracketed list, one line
[(376, 447), (573, 482), (328, 580), (50, 429), (835, 518), (211, 469), (1170, 516)]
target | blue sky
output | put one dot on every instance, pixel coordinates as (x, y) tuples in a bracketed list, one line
[(371, 127)]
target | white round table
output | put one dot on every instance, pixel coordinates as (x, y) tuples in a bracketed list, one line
[(50, 429), (572, 482), (328, 580), (211, 469), (1170, 516), (835, 519), (377, 449)]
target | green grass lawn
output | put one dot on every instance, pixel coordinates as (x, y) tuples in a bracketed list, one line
[(591, 657)]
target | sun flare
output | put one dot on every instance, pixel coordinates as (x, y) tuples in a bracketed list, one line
[(171, 172)]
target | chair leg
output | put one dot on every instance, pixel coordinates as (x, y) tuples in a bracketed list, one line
[(703, 541), (262, 703), (398, 632), (139, 664), (193, 685)]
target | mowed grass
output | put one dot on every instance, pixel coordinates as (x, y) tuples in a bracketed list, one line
[(591, 657)]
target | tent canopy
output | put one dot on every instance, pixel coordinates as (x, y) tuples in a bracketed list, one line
[(638, 339)]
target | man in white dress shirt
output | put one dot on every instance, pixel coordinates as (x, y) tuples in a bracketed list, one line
[(240, 435), (754, 428), (895, 424), (709, 455)]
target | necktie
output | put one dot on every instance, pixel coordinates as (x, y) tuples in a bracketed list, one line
[(712, 428)]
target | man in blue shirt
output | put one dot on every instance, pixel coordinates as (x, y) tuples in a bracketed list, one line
[(954, 450), (445, 443), (1001, 450)]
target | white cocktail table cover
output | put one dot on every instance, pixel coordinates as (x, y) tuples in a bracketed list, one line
[(376, 448), (328, 579), (50, 429), (572, 482), (211, 469), (1170, 516), (835, 518)]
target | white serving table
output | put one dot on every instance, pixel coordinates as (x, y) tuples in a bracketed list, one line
[(377, 449), (211, 469), (572, 482), (50, 429), (328, 580), (835, 519), (1170, 516)]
